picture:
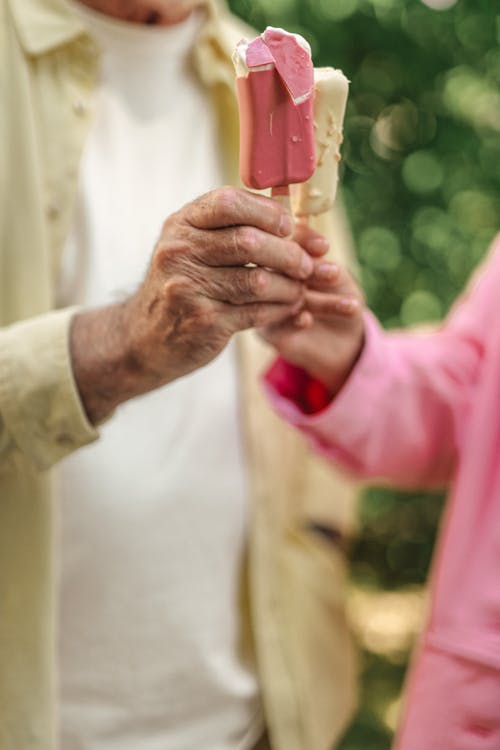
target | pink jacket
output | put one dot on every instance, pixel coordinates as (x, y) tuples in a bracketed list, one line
[(422, 411)]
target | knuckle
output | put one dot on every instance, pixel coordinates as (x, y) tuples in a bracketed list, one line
[(203, 207), (258, 282), (190, 211), (167, 254), (250, 284), (245, 240), (293, 257), (223, 202), (172, 226)]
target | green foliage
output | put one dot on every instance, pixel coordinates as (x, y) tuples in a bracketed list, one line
[(421, 182), (380, 682), (398, 532)]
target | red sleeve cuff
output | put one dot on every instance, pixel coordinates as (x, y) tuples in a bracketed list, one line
[(295, 384)]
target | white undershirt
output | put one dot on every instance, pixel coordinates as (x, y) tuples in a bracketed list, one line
[(154, 514)]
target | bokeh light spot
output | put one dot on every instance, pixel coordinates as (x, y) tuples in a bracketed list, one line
[(395, 129), (471, 97), (420, 306), (337, 10), (475, 210), (422, 172), (379, 248), (439, 4)]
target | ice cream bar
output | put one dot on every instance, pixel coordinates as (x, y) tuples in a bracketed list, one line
[(317, 195), (275, 82)]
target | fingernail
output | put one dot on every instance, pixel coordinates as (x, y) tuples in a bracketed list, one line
[(348, 305), (297, 307), (306, 265), (286, 225), (302, 320), (327, 271), (319, 245)]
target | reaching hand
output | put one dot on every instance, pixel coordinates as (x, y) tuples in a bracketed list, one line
[(326, 337)]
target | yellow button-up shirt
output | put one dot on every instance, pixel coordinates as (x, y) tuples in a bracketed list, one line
[(293, 592)]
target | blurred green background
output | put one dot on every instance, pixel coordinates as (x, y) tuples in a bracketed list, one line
[(421, 182)]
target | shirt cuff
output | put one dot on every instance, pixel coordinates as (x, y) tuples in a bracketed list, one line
[(295, 384), (40, 406)]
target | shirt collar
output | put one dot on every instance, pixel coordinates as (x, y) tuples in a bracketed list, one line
[(44, 25)]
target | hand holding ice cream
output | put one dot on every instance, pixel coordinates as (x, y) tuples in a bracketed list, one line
[(198, 291)]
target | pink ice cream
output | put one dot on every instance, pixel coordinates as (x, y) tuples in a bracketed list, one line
[(275, 94)]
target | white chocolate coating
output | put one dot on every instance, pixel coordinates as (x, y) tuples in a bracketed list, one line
[(240, 58), (317, 195)]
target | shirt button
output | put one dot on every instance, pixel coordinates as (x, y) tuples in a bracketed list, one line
[(64, 440), (79, 108), (53, 211)]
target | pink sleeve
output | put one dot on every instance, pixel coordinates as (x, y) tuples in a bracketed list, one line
[(401, 415)]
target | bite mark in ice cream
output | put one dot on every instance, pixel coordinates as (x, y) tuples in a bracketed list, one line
[(275, 83), (293, 62)]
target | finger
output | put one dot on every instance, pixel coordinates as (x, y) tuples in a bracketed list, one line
[(329, 277), (313, 242), (299, 322), (326, 277), (286, 330), (323, 305), (240, 246), (240, 286), (228, 207), (303, 320), (257, 315)]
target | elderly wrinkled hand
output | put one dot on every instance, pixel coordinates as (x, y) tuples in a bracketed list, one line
[(223, 263)]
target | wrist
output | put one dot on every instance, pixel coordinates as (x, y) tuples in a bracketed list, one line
[(105, 370), (333, 374)]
